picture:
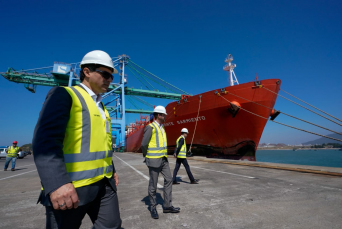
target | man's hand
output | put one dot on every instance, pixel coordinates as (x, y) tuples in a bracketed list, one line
[(174, 155), (65, 195), (116, 178)]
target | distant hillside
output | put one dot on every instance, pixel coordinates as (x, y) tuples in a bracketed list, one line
[(27, 147), (321, 141)]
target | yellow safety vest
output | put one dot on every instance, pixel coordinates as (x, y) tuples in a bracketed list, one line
[(157, 147), (87, 145), (12, 152), (182, 152)]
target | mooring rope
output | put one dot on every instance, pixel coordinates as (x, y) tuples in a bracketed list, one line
[(303, 106), (193, 135), (286, 114), (312, 106), (283, 123)]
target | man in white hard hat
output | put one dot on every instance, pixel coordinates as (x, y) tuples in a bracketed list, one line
[(72, 147), (180, 154), (154, 148)]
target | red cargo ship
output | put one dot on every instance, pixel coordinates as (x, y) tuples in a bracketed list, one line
[(135, 133), (227, 122)]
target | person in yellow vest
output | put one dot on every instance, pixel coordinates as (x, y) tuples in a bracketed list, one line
[(154, 148), (72, 147), (180, 154), (12, 153)]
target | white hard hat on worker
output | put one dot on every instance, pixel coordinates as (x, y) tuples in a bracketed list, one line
[(98, 57), (184, 130), (160, 109)]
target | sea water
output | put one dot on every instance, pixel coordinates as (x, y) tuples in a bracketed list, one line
[(327, 158)]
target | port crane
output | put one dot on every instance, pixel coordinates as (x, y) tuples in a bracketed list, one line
[(118, 94)]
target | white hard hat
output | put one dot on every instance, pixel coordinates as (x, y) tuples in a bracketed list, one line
[(98, 57), (159, 109), (184, 130)]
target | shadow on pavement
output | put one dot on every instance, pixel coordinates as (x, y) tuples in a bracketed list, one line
[(147, 202), (179, 179)]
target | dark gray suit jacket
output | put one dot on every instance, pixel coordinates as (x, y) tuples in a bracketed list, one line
[(47, 146)]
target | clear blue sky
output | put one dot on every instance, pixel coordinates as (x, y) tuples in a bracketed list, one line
[(183, 42)]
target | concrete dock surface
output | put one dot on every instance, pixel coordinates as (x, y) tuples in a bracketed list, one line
[(229, 195)]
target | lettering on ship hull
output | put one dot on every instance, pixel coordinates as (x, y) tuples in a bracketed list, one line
[(182, 121)]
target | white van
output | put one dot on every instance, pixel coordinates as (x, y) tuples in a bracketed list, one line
[(21, 154), (3, 151)]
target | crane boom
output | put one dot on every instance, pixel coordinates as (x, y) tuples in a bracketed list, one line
[(57, 79)]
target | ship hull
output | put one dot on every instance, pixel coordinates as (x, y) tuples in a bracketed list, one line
[(133, 141), (217, 132)]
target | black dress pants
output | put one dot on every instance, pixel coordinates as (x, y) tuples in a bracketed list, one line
[(187, 168), (103, 212)]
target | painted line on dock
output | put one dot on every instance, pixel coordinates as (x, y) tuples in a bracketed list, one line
[(18, 174), (233, 174), (19, 167), (146, 177), (26, 165)]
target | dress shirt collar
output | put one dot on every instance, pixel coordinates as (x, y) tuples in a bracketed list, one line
[(160, 125), (96, 98)]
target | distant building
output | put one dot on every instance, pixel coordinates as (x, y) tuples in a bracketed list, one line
[(281, 145)]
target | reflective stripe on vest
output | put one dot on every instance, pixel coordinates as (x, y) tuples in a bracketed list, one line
[(88, 174), (12, 152), (155, 150), (182, 152), (87, 146)]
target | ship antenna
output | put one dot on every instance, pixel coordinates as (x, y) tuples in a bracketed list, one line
[(229, 67)]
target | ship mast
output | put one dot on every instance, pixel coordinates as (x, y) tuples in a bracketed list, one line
[(229, 67)]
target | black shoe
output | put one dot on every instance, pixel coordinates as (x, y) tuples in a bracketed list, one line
[(175, 182), (12, 169), (154, 213), (5, 169), (171, 209), (194, 182)]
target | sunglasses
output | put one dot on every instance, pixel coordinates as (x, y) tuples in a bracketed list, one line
[(105, 74)]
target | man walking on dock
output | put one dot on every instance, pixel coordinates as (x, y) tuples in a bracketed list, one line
[(12, 153), (154, 148), (72, 147), (180, 153)]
